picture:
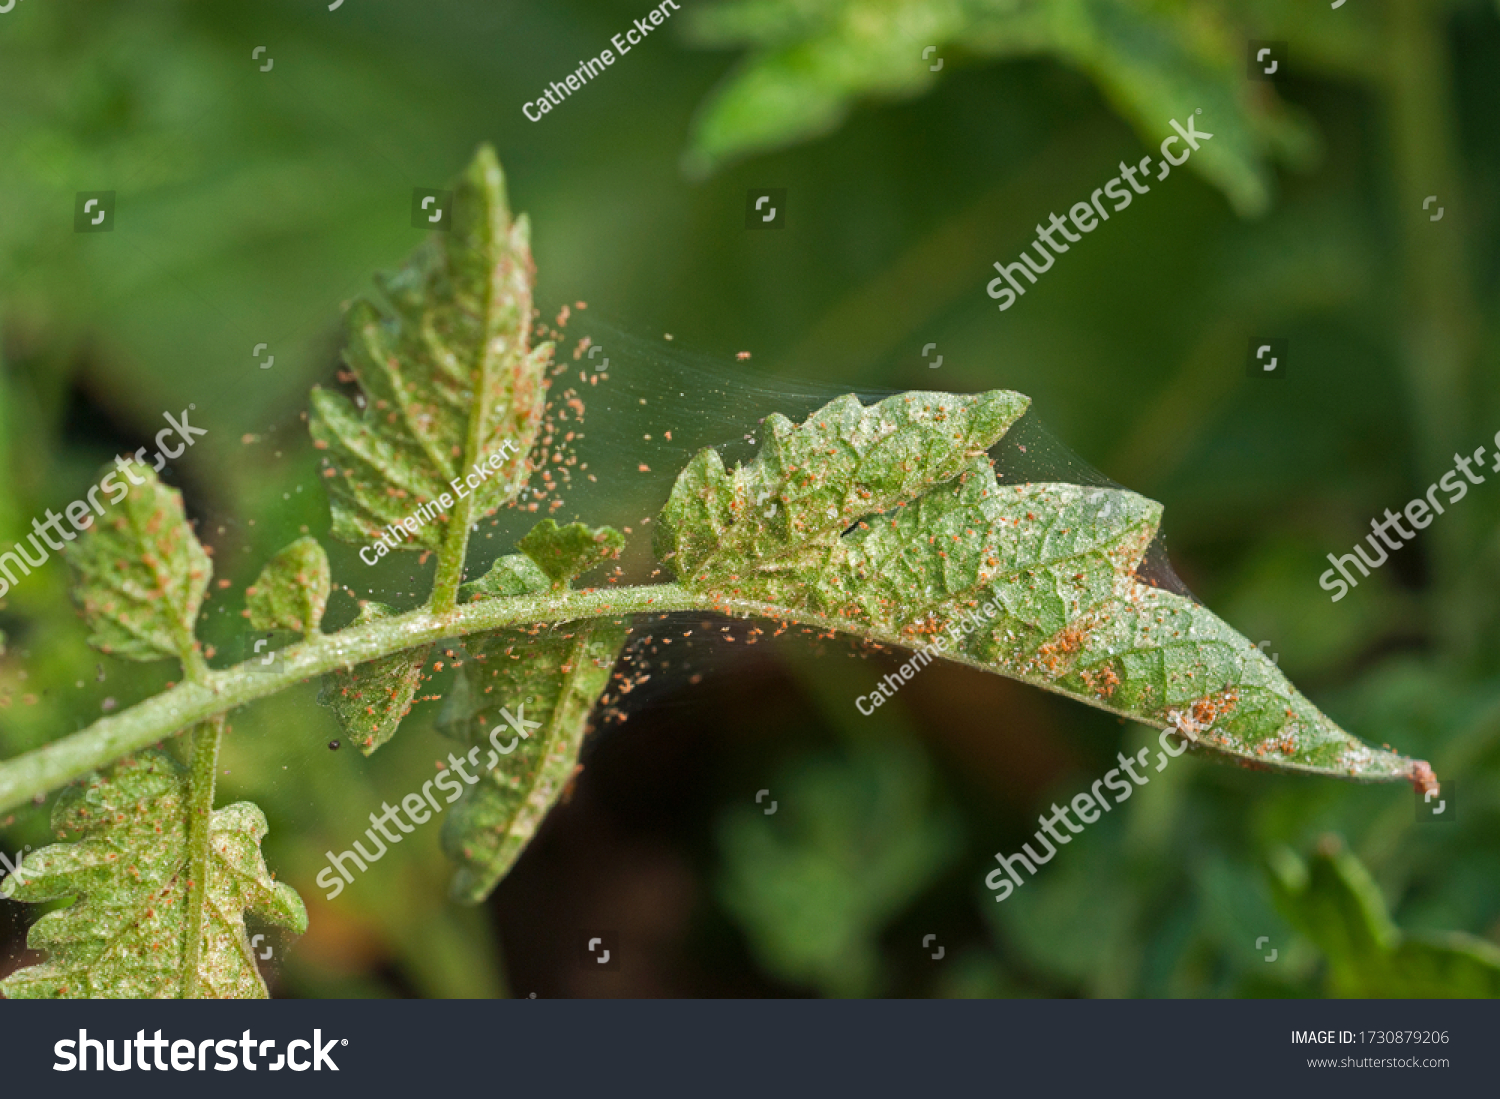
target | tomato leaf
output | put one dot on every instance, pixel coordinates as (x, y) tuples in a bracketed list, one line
[(523, 704), (370, 699), (887, 523), (140, 574), (125, 934), (292, 590), (452, 390)]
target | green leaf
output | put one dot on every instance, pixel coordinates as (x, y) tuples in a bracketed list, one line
[(564, 553), (452, 390), (369, 700), (784, 513), (1334, 902), (510, 576), (553, 680), (292, 590), (884, 522), (125, 935), (140, 574), (811, 60)]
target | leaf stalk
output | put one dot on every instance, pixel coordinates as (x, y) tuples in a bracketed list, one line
[(200, 809)]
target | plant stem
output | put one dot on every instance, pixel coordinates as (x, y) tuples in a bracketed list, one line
[(200, 819), (450, 563), (455, 551), (1438, 326), (35, 773)]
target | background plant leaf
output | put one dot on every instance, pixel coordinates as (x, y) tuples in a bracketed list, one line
[(883, 522), (125, 935), (291, 592), (853, 840), (447, 372), (140, 574), (1334, 902), (557, 678), (369, 700), (811, 60)]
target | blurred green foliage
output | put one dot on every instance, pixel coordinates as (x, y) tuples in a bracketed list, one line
[(812, 59), (856, 844), (251, 204), (1336, 904)]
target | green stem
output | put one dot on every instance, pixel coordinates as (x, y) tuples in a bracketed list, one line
[(1438, 326), (200, 819), (34, 774), (450, 566)]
